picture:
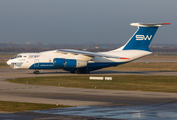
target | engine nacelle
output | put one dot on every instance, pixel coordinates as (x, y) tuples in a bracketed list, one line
[(69, 63)]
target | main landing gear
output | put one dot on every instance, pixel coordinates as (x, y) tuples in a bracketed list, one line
[(36, 72), (80, 72)]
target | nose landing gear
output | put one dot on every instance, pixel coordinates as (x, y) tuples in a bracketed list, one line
[(36, 72)]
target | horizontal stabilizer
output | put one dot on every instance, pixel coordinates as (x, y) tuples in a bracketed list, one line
[(149, 24)]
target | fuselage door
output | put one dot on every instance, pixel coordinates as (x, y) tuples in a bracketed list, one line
[(36, 62)]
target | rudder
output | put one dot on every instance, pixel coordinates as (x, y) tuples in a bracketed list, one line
[(142, 37)]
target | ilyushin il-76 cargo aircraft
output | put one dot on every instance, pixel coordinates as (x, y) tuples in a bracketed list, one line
[(77, 61)]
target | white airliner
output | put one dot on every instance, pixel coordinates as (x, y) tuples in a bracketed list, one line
[(77, 61)]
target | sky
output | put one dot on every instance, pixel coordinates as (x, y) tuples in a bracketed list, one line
[(84, 21)]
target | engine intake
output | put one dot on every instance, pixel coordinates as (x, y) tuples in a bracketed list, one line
[(69, 63)]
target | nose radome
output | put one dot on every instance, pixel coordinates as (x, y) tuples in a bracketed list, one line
[(8, 62)]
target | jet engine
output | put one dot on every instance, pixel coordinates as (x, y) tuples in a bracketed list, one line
[(69, 63)]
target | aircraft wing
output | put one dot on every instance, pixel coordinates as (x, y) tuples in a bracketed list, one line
[(86, 53)]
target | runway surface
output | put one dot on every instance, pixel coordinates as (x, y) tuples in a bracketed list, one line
[(91, 103)]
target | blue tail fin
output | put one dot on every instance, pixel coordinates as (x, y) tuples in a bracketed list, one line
[(142, 37)]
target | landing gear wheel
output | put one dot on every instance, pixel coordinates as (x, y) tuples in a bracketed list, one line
[(72, 71), (87, 72), (78, 72), (82, 72), (36, 72)]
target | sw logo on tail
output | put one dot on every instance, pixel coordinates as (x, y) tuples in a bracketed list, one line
[(142, 37)]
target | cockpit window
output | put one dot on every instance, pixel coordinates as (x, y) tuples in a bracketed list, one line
[(17, 56)]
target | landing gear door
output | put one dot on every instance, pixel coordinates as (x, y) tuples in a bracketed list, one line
[(36, 62)]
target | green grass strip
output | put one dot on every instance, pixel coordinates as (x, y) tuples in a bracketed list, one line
[(119, 82), (8, 106)]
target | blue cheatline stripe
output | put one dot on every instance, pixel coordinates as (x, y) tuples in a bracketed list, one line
[(95, 66), (43, 66), (90, 66), (141, 39)]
